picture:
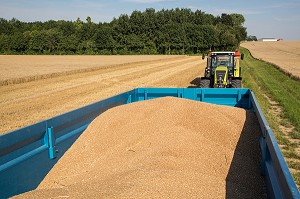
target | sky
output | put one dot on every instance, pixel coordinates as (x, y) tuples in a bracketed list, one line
[(264, 18)]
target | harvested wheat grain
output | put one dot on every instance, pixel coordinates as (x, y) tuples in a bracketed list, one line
[(162, 148)]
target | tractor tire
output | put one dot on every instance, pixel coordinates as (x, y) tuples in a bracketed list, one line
[(205, 83), (236, 83)]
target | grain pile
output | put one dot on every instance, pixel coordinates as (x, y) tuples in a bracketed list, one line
[(162, 148)]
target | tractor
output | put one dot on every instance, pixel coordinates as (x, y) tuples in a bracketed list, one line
[(223, 70)]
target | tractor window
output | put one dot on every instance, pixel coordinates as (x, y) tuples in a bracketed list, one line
[(214, 62), (222, 60)]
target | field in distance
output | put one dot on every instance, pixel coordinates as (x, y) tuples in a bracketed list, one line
[(24, 68), (63, 83), (284, 54)]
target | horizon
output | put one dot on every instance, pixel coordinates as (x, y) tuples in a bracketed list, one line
[(268, 19)]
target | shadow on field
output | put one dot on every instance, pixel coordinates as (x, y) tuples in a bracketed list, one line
[(243, 179), (195, 83)]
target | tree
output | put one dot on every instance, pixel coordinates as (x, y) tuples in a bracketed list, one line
[(69, 44), (4, 43), (37, 41), (227, 39), (87, 47), (104, 39), (135, 43), (19, 42), (67, 28), (237, 19), (89, 20), (251, 38), (52, 40)]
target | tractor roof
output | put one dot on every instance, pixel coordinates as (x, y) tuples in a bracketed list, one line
[(222, 53)]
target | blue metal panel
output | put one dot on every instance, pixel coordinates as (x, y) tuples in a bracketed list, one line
[(42, 144), (151, 93), (28, 154), (10, 143), (50, 141), (284, 181), (280, 183), (229, 97)]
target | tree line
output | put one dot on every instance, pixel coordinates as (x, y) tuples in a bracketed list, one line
[(175, 31)]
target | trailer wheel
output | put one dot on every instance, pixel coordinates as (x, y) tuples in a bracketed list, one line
[(205, 83), (236, 83)]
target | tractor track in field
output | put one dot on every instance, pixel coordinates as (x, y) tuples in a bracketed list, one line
[(29, 102)]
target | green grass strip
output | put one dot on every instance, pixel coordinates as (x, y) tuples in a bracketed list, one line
[(297, 178), (263, 78)]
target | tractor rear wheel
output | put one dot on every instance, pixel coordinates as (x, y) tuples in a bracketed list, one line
[(205, 83), (236, 83)]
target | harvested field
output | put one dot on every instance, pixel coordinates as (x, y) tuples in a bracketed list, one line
[(29, 102), (24, 68), (161, 148), (283, 54)]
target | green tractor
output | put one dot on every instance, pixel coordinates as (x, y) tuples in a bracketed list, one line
[(223, 70)]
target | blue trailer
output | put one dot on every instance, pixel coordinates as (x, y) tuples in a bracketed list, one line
[(29, 153)]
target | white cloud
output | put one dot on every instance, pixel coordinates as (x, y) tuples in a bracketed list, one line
[(88, 4), (229, 11), (285, 5), (288, 19), (219, 11), (194, 8), (49, 11), (148, 1)]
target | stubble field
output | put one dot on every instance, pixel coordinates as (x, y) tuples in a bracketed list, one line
[(20, 68), (284, 54), (34, 88)]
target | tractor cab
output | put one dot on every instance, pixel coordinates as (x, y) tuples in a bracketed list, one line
[(222, 70), (222, 59)]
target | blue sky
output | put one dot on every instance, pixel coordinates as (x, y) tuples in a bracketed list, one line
[(264, 18)]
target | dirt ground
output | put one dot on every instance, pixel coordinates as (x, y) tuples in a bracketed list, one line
[(22, 104), (284, 54)]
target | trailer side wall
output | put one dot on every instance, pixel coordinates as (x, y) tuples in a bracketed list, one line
[(28, 154)]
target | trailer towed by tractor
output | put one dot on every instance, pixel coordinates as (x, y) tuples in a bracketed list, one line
[(28, 154)]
